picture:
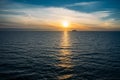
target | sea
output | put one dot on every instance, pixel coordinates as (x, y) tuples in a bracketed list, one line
[(59, 55)]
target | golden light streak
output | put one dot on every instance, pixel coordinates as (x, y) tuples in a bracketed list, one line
[(64, 56)]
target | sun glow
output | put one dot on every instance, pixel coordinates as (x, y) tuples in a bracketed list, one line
[(65, 24)]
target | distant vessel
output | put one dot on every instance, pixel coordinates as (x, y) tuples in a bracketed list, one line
[(74, 30)]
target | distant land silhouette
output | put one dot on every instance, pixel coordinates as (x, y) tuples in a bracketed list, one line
[(74, 30)]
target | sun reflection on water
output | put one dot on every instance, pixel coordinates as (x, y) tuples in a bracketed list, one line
[(65, 61)]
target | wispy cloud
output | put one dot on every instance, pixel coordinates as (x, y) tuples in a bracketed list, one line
[(82, 4)]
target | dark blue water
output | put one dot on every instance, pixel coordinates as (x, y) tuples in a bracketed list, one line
[(32, 55)]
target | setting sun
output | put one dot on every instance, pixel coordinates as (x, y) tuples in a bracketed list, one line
[(65, 24)]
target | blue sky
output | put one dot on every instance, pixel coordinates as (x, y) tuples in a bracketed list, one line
[(48, 14)]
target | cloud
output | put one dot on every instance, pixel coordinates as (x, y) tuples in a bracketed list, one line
[(51, 18), (103, 14), (82, 4)]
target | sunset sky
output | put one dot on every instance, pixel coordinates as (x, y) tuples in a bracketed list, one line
[(52, 15)]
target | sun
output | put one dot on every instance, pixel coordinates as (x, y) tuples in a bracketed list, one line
[(65, 24)]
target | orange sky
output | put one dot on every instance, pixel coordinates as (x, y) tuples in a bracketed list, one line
[(52, 18)]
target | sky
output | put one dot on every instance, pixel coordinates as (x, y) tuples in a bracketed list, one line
[(48, 15)]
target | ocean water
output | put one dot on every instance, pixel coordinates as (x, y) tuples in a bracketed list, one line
[(35, 55)]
